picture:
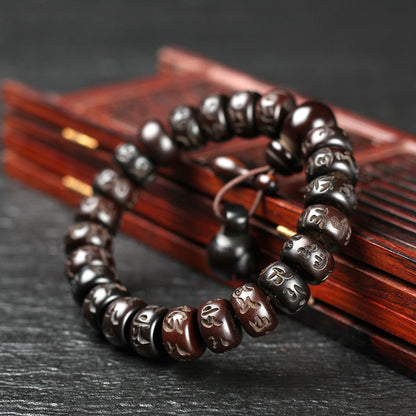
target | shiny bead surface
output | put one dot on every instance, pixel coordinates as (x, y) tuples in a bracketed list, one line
[(332, 161), (240, 112), (218, 327), (97, 301), (146, 331), (213, 120), (303, 118), (285, 289), (325, 224), (281, 159), (331, 190), (311, 260), (117, 319), (253, 310), (228, 167), (138, 167), (186, 132), (271, 110), (88, 256), (233, 251), (88, 277), (158, 144), (325, 136), (180, 334), (100, 210), (87, 233), (267, 182), (119, 189)]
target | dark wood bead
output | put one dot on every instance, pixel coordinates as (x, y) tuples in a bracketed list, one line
[(88, 256), (146, 331), (158, 145), (87, 233), (331, 190), (213, 120), (254, 312), (97, 301), (240, 112), (228, 167), (325, 224), (332, 161), (307, 116), (100, 210), (186, 132), (267, 182), (281, 159), (180, 334), (88, 277), (325, 136), (311, 260), (285, 289), (117, 319), (119, 189), (218, 327), (271, 110), (138, 167), (233, 251)]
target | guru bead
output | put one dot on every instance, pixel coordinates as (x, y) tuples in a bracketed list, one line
[(119, 189), (281, 159), (117, 318), (286, 289), (325, 224), (218, 327), (99, 210), (271, 109), (303, 118), (138, 167), (228, 167), (253, 310), (312, 261), (240, 111), (233, 251), (180, 334)]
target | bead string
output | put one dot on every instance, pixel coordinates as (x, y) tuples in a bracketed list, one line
[(184, 332)]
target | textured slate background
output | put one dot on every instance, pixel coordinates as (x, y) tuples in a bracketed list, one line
[(359, 55)]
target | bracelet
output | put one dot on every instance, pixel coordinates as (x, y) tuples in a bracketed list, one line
[(306, 132)]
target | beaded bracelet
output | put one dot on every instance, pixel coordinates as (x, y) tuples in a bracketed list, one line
[(308, 132)]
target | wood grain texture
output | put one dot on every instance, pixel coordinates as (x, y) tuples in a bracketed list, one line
[(50, 363)]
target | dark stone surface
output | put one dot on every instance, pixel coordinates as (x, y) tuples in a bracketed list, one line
[(360, 56)]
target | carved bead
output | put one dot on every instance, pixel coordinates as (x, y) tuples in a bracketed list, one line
[(119, 189), (157, 143), (117, 319), (88, 256), (228, 167), (325, 136), (271, 109), (311, 260), (146, 331), (180, 334), (331, 190), (233, 251), (88, 277), (87, 233), (97, 301), (303, 118), (217, 326), (138, 167), (281, 159), (240, 111), (286, 290), (186, 132), (100, 210), (253, 310), (325, 224), (267, 182), (332, 161), (213, 120)]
